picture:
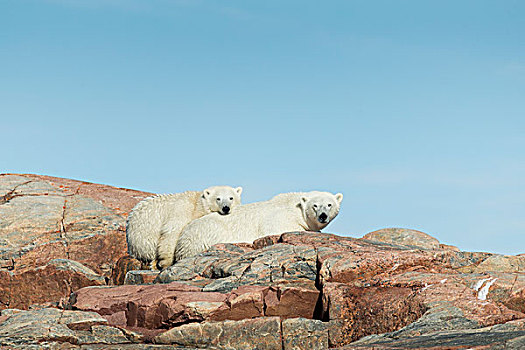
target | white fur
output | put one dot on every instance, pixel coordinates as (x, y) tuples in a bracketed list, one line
[(286, 212), (154, 225)]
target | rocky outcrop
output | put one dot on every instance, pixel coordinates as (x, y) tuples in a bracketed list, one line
[(370, 287), (19, 328), (228, 266), (164, 306), (509, 336), (355, 287), (58, 235), (406, 237), (45, 285), (261, 333), (62, 245)]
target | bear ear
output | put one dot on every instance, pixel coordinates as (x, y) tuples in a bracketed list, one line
[(304, 200), (205, 193), (238, 190), (339, 198)]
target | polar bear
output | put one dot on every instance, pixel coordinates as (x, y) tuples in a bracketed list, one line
[(299, 211), (155, 223)]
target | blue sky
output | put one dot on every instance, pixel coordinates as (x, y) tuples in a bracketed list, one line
[(415, 110)]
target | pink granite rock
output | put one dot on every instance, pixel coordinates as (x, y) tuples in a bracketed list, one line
[(46, 218)]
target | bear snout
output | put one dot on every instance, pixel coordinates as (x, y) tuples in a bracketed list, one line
[(322, 218), (225, 209)]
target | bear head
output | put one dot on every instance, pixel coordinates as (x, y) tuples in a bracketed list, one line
[(221, 199), (319, 208)]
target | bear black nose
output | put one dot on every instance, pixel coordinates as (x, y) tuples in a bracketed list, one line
[(322, 218), (226, 210)]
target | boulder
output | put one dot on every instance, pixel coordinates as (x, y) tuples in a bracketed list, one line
[(45, 285), (509, 336), (229, 266), (500, 263), (58, 235), (140, 277), (21, 328), (161, 306), (263, 332), (124, 265), (353, 312), (260, 333), (406, 237)]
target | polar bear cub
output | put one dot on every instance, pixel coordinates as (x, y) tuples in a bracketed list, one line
[(287, 212), (155, 223)]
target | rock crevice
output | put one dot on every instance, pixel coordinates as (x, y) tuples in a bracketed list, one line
[(12, 193)]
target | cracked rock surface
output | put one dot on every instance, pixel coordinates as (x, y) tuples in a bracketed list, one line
[(62, 248), (352, 293), (49, 325), (58, 235)]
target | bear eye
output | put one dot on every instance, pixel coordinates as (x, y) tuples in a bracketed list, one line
[(315, 206), (329, 205), (231, 198), (218, 199)]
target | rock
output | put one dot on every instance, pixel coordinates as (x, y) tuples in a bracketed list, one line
[(227, 267), (141, 277), (502, 287), (54, 325), (468, 293), (45, 284), (64, 240), (74, 266), (207, 266), (265, 332), (289, 302), (130, 347), (161, 306), (367, 287), (124, 265), (356, 274), (47, 221), (174, 307), (403, 236), (58, 214), (119, 200), (449, 247), (501, 263), (132, 305), (354, 312), (302, 333), (441, 316), (507, 336), (266, 241), (63, 346)]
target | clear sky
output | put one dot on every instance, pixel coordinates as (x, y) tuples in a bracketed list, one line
[(414, 110)]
